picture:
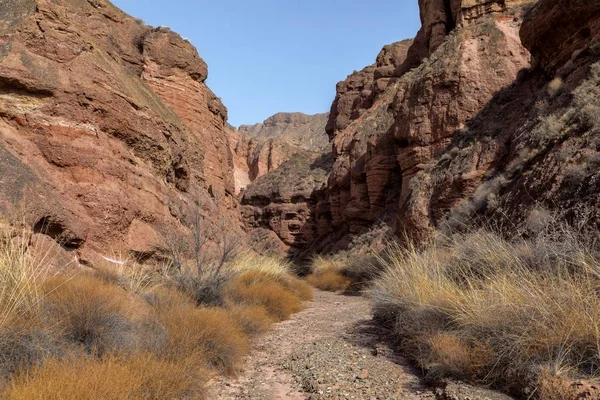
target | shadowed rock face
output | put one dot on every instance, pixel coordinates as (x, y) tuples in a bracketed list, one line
[(284, 201), (107, 130), (556, 31), (471, 132), (260, 148), (466, 54)]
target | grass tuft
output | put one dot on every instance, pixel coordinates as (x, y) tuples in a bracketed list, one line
[(89, 312), (492, 310), (255, 288), (142, 376), (208, 333)]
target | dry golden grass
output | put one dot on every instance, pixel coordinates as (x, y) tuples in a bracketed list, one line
[(519, 306), (332, 281), (258, 289), (462, 359), (254, 320), (320, 264), (327, 274), (130, 275), (164, 297), (89, 312), (211, 334), (296, 286), (129, 331), (251, 261), (20, 280), (142, 376)]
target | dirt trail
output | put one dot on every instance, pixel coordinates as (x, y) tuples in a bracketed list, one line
[(328, 351)]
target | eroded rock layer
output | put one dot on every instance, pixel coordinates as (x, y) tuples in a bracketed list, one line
[(109, 137), (466, 54), (285, 201), (260, 148)]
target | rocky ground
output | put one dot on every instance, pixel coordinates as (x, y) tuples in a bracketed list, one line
[(331, 351)]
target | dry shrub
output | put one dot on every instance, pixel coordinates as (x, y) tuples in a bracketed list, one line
[(142, 376), (266, 265), (24, 339), (20, 279), (297, 286), (258, 289), (332, 281), (271, 268), (465, 360), (532, 304), (165, 297), (25, 344), (326, 274), (210, 334), (89, 312), (254, 320), (130, 275)]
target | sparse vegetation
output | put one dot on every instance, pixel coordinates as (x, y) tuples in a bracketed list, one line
[(326, 274), (123, 330), (514, 314), (354, 269), (259, 289)]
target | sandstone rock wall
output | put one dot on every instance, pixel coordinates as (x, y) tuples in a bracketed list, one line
[(284, 201), (532, 154), (390, 138), (472, 132), (556, 31), (295, 129), (109, 136), (260, 148)]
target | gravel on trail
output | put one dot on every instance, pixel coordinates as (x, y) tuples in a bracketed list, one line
[(328, 351)]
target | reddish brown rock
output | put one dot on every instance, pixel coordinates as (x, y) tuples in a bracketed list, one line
[(295, 129), (440, 17), (536, 144), (556, 31), (382, 141), (108, 135), (260, 148), (284, 201), (357, 93)]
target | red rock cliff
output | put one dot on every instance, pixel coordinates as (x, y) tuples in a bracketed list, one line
[(260, 148), (464, 54), (109, 136), (468, 129)]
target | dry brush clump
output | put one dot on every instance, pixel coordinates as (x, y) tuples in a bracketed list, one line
[(256, 288), (485, 309), (327, 273), (124, 330), (142, 376), (352, 270)]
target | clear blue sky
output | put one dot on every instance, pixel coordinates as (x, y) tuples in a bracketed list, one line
[(266, 56)]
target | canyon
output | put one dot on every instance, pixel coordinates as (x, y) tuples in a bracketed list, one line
[(487, 116), (111, 139), (474, 145)]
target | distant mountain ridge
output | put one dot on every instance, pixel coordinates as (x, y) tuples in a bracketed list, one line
[(295, 128), (260, 148)]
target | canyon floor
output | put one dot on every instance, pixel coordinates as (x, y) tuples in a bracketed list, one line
[(331, 350)]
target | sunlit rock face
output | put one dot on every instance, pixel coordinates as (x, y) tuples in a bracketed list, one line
[(108, 133)]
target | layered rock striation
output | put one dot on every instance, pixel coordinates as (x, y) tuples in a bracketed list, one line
[(284, 202), (109, 136), (462, 56), (260, 148)]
